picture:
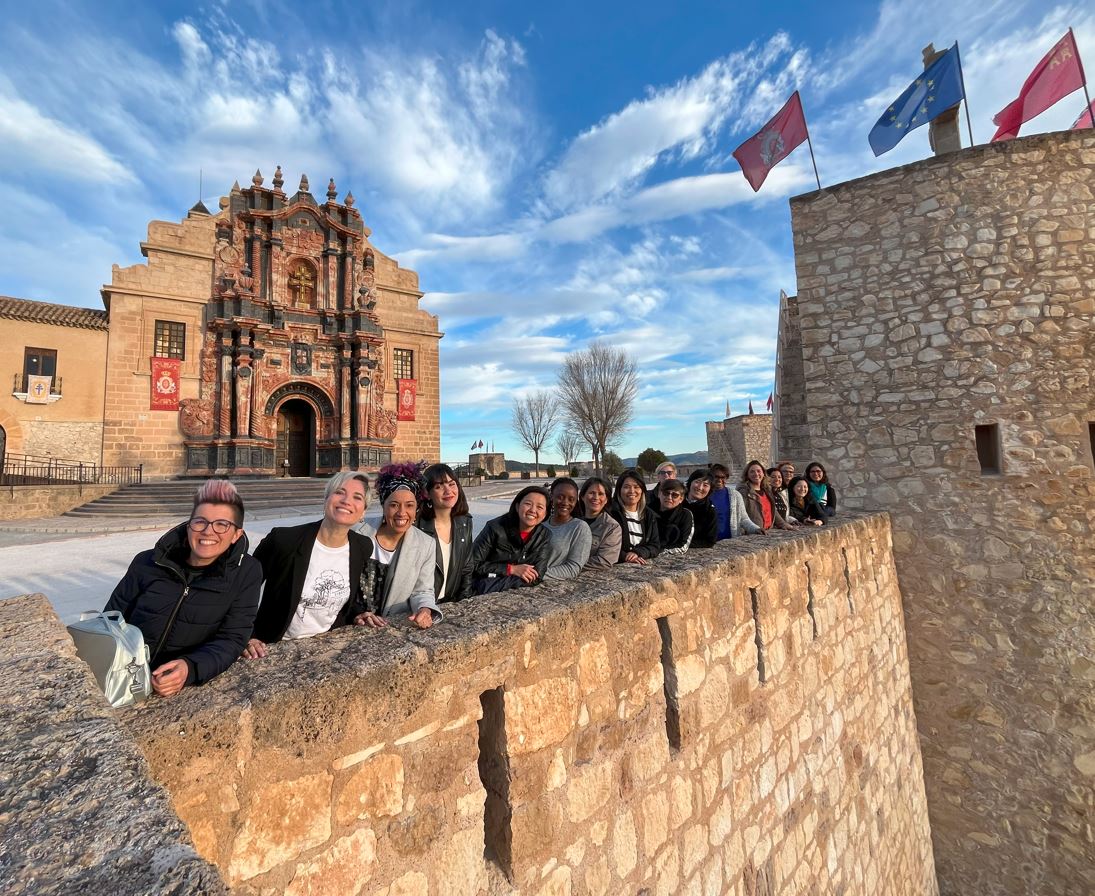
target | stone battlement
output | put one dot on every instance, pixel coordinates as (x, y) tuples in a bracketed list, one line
[(736, 720)]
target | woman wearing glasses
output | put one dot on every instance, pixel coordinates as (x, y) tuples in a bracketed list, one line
[(195, 594), (313, 571)]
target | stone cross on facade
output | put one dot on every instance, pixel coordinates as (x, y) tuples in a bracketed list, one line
[(301, 283)]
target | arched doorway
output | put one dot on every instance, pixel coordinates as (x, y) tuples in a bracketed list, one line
[(296, 441)]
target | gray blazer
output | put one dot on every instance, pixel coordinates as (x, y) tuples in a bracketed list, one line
[(409, 584)]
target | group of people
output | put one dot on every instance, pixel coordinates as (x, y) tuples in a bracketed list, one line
[(196, 595)]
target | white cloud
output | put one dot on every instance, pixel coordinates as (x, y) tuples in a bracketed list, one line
[(31, 140)]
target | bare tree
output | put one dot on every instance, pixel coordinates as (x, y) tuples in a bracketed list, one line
[(569, 444), (597, 388), (534, 420)]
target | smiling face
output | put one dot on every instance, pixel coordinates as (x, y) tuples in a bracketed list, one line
[(399, 510), (755, 475), (630, 494), (346, 504), (801, 488), (815, 473), (788, 472), (207, 546), (531, 511), (776, 478), (699, 489), (595, 499), (445, 493), (564, 498)]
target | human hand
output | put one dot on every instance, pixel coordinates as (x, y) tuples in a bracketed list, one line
[(423, 618), (526, 572), (170, 678), (818, 522), (370, 620), (255, 650), (632, 557)]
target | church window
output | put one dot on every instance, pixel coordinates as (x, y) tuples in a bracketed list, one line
[(170, 340), (402, 364), (987, 437)]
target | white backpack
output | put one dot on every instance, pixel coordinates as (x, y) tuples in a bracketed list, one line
[(117, 654)]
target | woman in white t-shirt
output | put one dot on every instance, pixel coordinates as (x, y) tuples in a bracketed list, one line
[(397, 581), (312, 573)]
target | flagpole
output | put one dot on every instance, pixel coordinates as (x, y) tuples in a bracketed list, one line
[(809, 142), (965, 97), (1083, 78)]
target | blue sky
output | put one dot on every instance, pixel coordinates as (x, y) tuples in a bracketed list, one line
[(556, 172)]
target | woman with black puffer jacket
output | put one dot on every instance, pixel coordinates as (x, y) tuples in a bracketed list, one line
[(512, 549), (194, 596)]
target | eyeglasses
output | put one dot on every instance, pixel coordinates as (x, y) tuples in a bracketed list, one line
[(199, 524), (665, 472), (672, 496)]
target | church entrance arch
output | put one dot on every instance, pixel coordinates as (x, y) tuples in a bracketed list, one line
[(296, 438)]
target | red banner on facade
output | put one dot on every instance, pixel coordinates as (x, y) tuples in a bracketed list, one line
[(407, 390), (165, 384)]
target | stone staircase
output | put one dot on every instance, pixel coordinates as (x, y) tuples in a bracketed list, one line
[(175, 497)]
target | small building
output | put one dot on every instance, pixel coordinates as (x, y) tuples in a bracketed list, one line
[(493, 463), (737, 440)]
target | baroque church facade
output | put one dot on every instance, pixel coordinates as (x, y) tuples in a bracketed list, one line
[(267, 338)]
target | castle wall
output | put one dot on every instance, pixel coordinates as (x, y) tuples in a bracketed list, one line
[(732, 721), (735, 441), (790, 426), (955, 292)]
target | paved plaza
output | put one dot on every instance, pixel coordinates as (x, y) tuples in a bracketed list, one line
[(76, 562)]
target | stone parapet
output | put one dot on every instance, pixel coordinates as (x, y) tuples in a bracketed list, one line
[(79, 812), (736, 720)]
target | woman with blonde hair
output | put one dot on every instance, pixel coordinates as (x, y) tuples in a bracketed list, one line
[(313, 571)]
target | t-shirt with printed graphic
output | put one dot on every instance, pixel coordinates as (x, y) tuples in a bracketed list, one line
[(326, 590)]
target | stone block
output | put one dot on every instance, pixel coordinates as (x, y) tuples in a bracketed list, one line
[(541, 714), (280, 821), (373, 791), (344, 867)]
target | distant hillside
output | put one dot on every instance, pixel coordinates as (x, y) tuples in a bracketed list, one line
[(695, 457)]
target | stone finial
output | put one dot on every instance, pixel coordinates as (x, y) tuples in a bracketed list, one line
[(944, 132), (303, 188), (279, 181), (235, 187), (350, 200), (223, 202), (332, 193), (257, 179)]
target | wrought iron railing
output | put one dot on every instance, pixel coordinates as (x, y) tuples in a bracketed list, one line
[(21, 381), (44, 469)]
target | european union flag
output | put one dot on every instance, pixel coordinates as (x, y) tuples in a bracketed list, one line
[(929, 96)]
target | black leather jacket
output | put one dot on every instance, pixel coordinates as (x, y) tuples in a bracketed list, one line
[(499, 545), (460, 562)]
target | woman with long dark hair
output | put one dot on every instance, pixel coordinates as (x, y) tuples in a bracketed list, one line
[(638, 523), (803, 506), (595, 496), (444, 516), (821, 488), (512, 549)]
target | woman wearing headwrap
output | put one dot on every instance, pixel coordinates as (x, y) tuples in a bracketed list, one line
[(397, 581)]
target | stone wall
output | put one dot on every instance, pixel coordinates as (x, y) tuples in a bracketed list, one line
[(790, 426), (952, 293), (731, 721), (72, 441), (26, 502), (735, 441), (79, 812)]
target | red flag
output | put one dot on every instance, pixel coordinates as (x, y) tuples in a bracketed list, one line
[(1055, 77), (769, 401), (1084, 121), (772, 143)]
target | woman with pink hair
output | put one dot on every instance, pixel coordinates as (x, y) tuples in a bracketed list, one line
[(194, 596)]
